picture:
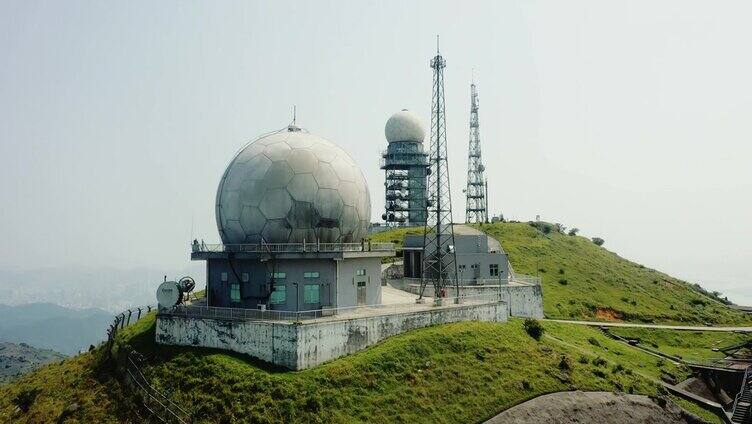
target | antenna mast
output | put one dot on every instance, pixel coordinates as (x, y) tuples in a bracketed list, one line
[(476, 209), (439, 261)]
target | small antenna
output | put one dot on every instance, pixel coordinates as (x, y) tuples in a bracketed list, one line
[(437, 43), (294, 114), (472, 75)]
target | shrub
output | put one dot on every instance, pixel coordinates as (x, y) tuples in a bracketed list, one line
[(599, 373), (25, 398), (593, 341), (533, 328), (599, 362), (583, 359), (526, 385), (598, 241), (573, 231), (565, 363), (618, 368), (563, 281), (561, 270), (660, 363)]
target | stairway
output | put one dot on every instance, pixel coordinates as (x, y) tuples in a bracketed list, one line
[(743, 401)]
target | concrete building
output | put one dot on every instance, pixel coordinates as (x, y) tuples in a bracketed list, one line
[(405, 164), (292, 209)]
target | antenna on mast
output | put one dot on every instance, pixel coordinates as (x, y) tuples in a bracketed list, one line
[(294, 114)]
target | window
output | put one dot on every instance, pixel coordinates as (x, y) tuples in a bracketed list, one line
[(279, 275), (311, 274), (361, 271), (235, 292), (279, 295), (245, 277), (474, 266), (462, 267), (223, 277), (311, 293), (493, 269)]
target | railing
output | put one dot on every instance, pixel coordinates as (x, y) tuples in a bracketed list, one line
[(744, 417), (240, 314), (479, 282), (292, 247)]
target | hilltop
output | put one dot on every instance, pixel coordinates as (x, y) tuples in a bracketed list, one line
[(18, 359), (584, 281), (463, 372)]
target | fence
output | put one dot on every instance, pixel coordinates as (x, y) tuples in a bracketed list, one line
[(292, 247), (519, 278), (159, 405), (240, 314)]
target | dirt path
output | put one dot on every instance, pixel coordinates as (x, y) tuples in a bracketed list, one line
[(669, 327), (595, 408)]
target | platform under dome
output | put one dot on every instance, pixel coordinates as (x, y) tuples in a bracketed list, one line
[(404, 126), (292, 186)]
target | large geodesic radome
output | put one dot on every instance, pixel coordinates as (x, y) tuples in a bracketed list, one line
[(292, 186), (404, 126)]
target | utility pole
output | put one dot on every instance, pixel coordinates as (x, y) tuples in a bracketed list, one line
[(476, 209), (439, 261)]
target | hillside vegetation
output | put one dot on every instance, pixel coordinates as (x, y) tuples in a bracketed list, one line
[(18, 359), (464, 372), (584, 281)]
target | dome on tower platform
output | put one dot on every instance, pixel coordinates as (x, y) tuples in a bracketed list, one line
[(404, 126), (292, 186)]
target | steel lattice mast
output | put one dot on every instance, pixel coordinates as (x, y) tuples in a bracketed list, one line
[(476, 209), (439, 262)]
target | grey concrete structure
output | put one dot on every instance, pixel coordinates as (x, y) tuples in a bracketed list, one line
[(307, 344), (479, 257)]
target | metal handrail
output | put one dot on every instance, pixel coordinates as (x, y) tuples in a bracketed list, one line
[(746, 380), (242, 314), (292, 247), (479, 282)]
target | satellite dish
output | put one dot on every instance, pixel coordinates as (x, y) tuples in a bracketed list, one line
[(186, 284), (169, 294)]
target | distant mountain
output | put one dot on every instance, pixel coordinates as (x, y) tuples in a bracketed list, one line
[(111, 289), (50, 326), (18, 359)]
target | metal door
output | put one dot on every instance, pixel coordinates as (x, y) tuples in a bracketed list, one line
[(361, 293)]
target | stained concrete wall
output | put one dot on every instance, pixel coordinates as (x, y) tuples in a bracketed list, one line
[(304, 345)]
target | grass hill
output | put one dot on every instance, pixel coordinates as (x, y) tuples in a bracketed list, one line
[(463, 372), (18, 359), (584, 281)]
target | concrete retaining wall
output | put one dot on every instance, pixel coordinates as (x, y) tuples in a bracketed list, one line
[(304, 345)]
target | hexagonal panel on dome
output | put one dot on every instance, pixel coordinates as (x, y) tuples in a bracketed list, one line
[(326, 177), (303, 188), (229, 205), (276, 231), (278, 175), (256, 167), (277, 151), (276, 204), (303, 215), (303, 161), (298, 235), (349, 221), (329, 203), (232, 232), (325, 151), (250, 151), (349, 193), (273, 138), (251, 192), (328, 235), (344, 171), (252, 220), (301, 140)]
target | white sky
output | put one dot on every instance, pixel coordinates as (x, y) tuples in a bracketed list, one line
[(629, 120)]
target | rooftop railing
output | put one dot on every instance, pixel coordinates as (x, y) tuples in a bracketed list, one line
[(292, 247), (242, 314)]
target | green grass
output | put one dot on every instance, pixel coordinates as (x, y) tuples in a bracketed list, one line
[(704, 414), (585, 281), (463, 372), (688, 345)]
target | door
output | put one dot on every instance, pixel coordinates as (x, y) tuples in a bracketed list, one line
[(361, 293)]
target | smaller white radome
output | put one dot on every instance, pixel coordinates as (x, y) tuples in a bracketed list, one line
[(404, 126)]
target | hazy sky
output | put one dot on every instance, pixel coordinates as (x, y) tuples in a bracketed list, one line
[(627, 119)]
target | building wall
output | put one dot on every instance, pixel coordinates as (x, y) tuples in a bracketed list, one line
[(299, 346), (348, 281)]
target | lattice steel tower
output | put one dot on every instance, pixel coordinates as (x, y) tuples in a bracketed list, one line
[(476, 209), (439, 261)]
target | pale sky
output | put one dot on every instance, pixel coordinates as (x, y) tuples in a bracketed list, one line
[(627, 119)]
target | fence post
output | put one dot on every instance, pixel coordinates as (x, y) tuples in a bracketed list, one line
[(139, 314), (122, 320), (129, 316)]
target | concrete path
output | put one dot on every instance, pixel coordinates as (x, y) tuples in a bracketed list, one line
[(659, 326)]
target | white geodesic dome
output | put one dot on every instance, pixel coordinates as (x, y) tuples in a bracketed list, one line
[(404, 126), (292, 186)]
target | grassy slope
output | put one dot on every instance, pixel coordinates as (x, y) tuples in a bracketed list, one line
[(584, 281), (460, 372), (688, 345)]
